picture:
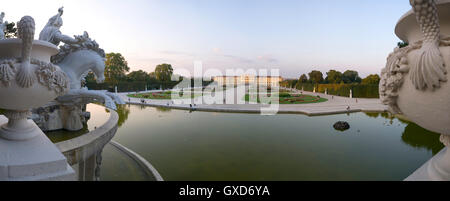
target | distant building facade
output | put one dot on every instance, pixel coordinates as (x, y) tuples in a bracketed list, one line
[(273, 81)]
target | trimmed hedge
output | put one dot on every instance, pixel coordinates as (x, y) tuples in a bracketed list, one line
[(359, 90), (133, 86)]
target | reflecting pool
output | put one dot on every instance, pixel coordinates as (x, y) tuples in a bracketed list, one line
[(224, 146)]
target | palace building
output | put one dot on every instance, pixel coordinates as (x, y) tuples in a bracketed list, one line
[(273, 81)]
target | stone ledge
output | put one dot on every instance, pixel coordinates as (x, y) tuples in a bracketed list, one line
[(85, 146), (140, 160)]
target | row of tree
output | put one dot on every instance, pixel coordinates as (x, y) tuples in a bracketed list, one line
[(117, 75), (116, 71), (337, 77)]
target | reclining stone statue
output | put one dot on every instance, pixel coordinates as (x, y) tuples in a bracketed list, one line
[(77, 57)]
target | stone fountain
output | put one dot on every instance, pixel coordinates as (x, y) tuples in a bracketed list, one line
[(415, 80), (77, 57), (27, 80)]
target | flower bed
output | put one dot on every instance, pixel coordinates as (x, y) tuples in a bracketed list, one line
[(290, 99)]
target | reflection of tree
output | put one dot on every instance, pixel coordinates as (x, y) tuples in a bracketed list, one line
[(419, 137), (142, 107), (373, 114), (162, 109), (63, 135), (386, 115), (123, 111)]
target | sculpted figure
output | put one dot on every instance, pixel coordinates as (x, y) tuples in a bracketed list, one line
[(52, 34), (2, 26), (77, 57)]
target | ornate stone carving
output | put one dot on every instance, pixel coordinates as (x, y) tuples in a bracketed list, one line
[(27, 82), (428, 69), (47, 74), (7, 71), (51, 76), (397, 67), (52, 34), (77, 57), (68, 48), (17, 115), (25, 77)]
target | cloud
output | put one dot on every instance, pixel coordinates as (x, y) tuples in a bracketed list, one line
[(239, 59), (268, 59), (168, 52), (217, 50)]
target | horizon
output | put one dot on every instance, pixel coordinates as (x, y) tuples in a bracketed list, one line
[(293, 36)]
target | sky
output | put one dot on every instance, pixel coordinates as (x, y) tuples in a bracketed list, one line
[(295, 36)]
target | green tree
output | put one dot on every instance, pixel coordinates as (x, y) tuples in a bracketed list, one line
[(90, 78), (372, 79), (139, 75), (316, 77), (334, 77), (164, 72), (11, 30), (116, 68), (402, 44), (152, 75), (351, 77), (303, 79)]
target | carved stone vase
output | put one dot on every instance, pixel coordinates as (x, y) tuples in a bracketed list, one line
[(415, 82), (27, 80)]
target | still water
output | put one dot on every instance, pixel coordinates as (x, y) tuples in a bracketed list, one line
[(203, 146)]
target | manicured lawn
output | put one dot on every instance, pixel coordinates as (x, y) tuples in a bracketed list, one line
[(166, 95), (286, 99)]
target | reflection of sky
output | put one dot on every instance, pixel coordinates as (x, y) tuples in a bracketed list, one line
[(98, 116), (293, 35)]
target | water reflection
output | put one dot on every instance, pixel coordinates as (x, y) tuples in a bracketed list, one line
[(419, 137), (162, 109), (63, 135), (228, 146), (373, 114), (123, 111), (413, 135)]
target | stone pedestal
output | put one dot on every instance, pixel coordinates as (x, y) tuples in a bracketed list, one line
[(56, 116), (36, 159)]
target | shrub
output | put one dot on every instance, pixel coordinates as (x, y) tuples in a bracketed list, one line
[(285, 95)]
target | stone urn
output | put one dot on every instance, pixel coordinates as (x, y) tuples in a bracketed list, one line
[(27, 80), (415, 81)]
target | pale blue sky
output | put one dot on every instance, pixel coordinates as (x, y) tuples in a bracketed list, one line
[(295, 36)]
